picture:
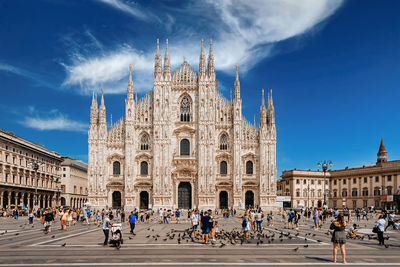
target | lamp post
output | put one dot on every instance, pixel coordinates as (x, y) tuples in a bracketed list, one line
[(35, 165), (325, 165), (308, 194)]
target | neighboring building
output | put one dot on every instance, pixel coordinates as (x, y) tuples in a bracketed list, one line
[(306, 188), (183, 145), (368, 186), (18, 180), (74, 183)]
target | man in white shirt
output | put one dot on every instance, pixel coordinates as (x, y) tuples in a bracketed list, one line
[(161, 215), (106, 228), (195, 221)]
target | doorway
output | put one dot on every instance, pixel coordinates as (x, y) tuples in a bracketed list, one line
[(116, 200), (223, 200), (184, 195), (144, 200), (249, 199)]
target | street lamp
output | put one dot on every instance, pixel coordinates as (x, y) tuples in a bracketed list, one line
[(308, 194), (35, 165), (325, 165)]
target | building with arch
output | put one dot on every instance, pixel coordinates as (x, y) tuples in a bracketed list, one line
[(74, 183), (183, 145)]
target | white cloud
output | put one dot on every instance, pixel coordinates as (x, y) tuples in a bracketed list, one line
[(244, 33), (129, 9), (38, 80), (54, 120)]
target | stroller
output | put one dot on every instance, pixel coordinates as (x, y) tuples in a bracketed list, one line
[(116, 235)]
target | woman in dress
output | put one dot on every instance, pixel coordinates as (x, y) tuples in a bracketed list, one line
[(339, 236)]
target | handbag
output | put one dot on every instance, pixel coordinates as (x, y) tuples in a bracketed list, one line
[(375, 230)]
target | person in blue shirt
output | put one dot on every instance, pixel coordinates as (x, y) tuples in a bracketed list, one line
[(132, 221), (178, 216), (290, 219)]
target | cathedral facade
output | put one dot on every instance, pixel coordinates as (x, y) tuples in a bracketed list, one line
[(183, 145)]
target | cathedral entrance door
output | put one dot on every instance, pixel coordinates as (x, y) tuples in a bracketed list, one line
[(249, 199), (144, 200), (184, 195), (223, 200), (116, 200)]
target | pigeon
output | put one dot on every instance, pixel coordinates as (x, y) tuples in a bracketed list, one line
[(17, 234), (53, 236), (386, 246), (296, 249), (147, 236), (130, 237), (258, 243), (63, 245), (319, 240), (306, 246), (222, 245)]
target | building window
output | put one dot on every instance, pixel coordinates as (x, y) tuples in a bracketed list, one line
[(249, 167), (64, 169), (74, 189), (365, 180), (377, 179), (116, 168), (63, 188), (354, 180), (319, 193), (389, 178), (354, 204), (389, 190), (223, 142), (344, 181), (312, 193), (334, 203), (365, 192), (298, 194), (354, 193), (376, 203), (377, 192), (334, 194), (334, 182), (144, 142), (319, 182), (312, 181), (365, 203), (144, 168), (185, 147), (223, 168), (297, 181), (287, 192), (304, 181), (185, 109), (344, 193), (64, 175), (304, 193), (287, 181)]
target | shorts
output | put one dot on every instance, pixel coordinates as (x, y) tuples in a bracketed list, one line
[(195, 227), (46, 223), (290, 220), (63, 222), (205, 231)]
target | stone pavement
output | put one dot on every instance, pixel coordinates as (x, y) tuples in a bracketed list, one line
[(81, 245)]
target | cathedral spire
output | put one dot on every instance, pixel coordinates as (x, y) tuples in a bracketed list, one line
[(270, 110), (237, 84), (94, 112), (382, 154), (167, 69), (102, 115), (130, 85), (263, 111), (210, 67), (202, 64), (157, 66), (111, 125)]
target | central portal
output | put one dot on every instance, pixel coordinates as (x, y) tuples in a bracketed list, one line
[(116, 200), (184, 195)]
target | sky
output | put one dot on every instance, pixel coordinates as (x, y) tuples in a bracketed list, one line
[(333, 67)]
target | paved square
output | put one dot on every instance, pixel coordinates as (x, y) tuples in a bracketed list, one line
[(168, 244)]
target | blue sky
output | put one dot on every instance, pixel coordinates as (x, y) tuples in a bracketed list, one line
[(333, 67)]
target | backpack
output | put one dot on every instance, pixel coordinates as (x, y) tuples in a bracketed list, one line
[(244, 223)]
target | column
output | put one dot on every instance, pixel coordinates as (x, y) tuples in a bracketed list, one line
[(1, 199)]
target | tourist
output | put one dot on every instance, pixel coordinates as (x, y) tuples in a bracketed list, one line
[(205, 220), (297, 219), (132, 221), (160, 213), (352, 232), (338, 237), (290, 216), (195, 221), (365, 215), (211, 226), (390, 218), (315, 218), (64, 218), (165, 216), (69, 219), (259, 220), (123, 216), (106, 228), (178, 215), (358, 215), (379, 229), (30, 217), (48, 219), (246, 225)]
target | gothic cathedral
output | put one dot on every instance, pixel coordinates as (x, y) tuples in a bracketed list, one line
[(183, 146)]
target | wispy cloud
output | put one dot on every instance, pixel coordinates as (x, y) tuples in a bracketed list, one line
[(243, 32), (130, 8), (38, 80)]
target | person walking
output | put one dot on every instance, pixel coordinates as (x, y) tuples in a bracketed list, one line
[(339, 237), (132, 221), (259, 220), (195, 221), (30, 216), (106, 228), (205, 229), (380, 228), (246, 225), (390, 218)]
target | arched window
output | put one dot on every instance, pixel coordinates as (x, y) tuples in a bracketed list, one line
[(144, 166), (223, 168), (344, 193), (249, 167), (144, 142), (223, 142), (185, 147), (116, 168), (354, 192), (185, 109)]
